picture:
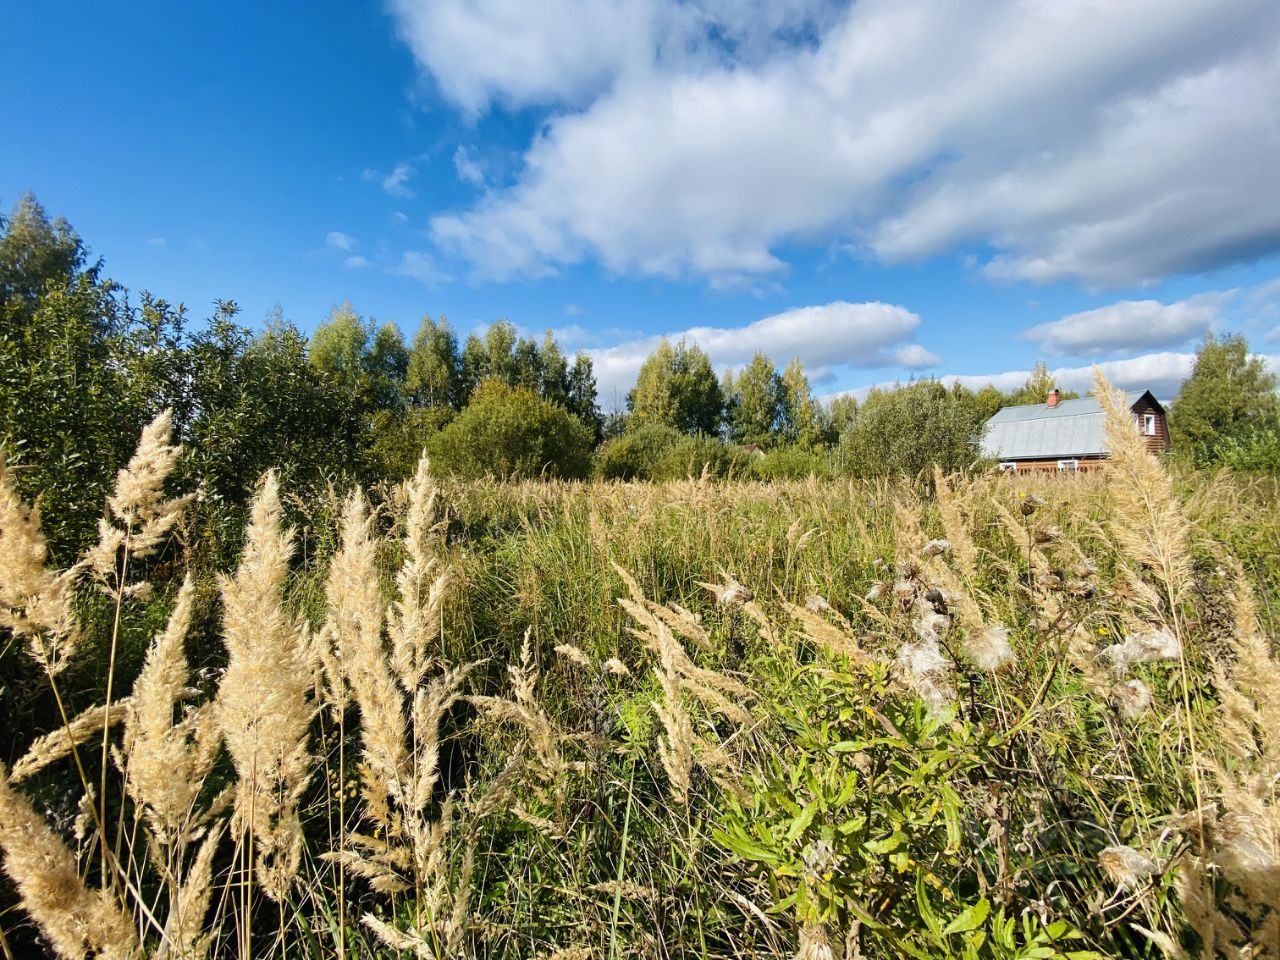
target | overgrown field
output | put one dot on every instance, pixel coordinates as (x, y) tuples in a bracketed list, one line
[(975, 716)]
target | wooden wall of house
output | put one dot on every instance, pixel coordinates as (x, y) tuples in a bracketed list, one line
[(1051, 466), (1160, 442)]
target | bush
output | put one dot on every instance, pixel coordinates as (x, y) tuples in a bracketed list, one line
[(511, 432), (793, 462), (1259, 452), (658, 452), (634, 455)]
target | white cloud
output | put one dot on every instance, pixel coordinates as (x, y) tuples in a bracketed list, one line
[(1272, 335), (396, 183), (356, 262), (342, 242), (399, 218), (1161, 373), (157, 242), (823, 337), (468, 168), (1129, 325), (421, 267), (1109, 143)]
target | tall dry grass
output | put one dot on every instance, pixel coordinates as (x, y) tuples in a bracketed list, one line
[(989, 716)]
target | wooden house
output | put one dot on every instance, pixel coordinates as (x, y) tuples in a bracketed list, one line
[(1066, 434)]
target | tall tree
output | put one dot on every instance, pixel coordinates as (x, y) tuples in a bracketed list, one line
[(432, 377), (802, 422), (1038, 386), (1229, 397), (580, 394), (339, 347), (758, 403), (677, 386)]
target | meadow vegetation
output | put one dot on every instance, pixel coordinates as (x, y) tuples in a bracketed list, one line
[(974, 716)]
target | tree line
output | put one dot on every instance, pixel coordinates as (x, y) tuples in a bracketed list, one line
[(83, 367)]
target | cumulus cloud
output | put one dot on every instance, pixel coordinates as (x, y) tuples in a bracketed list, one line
[(824, 337), (420, 266), (468, 167), (1107, 143), (1129, 325), (339, 241), (396, 183), (1161, 373)]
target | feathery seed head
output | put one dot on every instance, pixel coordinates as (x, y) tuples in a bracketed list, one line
[(935, 548), (816, 604), (990, 649), (1127, 867)]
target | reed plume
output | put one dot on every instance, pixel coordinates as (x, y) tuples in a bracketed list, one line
[(35, 601), (263, 704), (168, 760), (77, 921)]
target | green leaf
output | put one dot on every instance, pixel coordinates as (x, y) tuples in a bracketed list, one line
[(969, 919), (801, 821), (745, 847)]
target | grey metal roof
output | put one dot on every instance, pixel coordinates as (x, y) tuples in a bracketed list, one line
[(1037, 431)]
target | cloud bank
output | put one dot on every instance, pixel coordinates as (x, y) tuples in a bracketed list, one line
[(1103, 143), (825, 338)]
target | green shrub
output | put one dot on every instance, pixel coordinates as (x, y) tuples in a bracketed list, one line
[(634, 455), (511, 432), (793, 462)]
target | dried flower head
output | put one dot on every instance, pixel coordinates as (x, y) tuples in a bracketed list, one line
[(877, 591), (816, 604), (935, 548), (815, 943), (990, 649), (1132, 699), (573, 655), (1127, 867), (1030, 504), (927, 672), (615, 667)]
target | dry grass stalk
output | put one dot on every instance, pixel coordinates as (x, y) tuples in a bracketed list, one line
[(143, 516), (1239, 833), (77, 921), (355, 623), (59, 743), (263, 704), (169, 761), (1148, 523), (657, 626), (414, 622), (525, 712), (35, 602)]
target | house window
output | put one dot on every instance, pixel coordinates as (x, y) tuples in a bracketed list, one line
[(1008, 466), (1149, 425), (1069, 465)]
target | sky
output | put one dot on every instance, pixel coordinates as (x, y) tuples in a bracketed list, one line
[(887, 189)]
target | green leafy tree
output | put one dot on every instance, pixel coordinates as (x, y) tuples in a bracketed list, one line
[(580, 394), (677, 386), (908, 429), (1038, 386), (801, 416), (388, 368), (80, 372), (1228, 398), (990, 400), (511, 432), (432, 376), (758, 403), (339, 347)]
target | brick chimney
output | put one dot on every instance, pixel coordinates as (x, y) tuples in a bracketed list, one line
[(1052, 400)]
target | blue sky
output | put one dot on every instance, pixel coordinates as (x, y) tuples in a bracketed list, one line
[(886, 189)]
